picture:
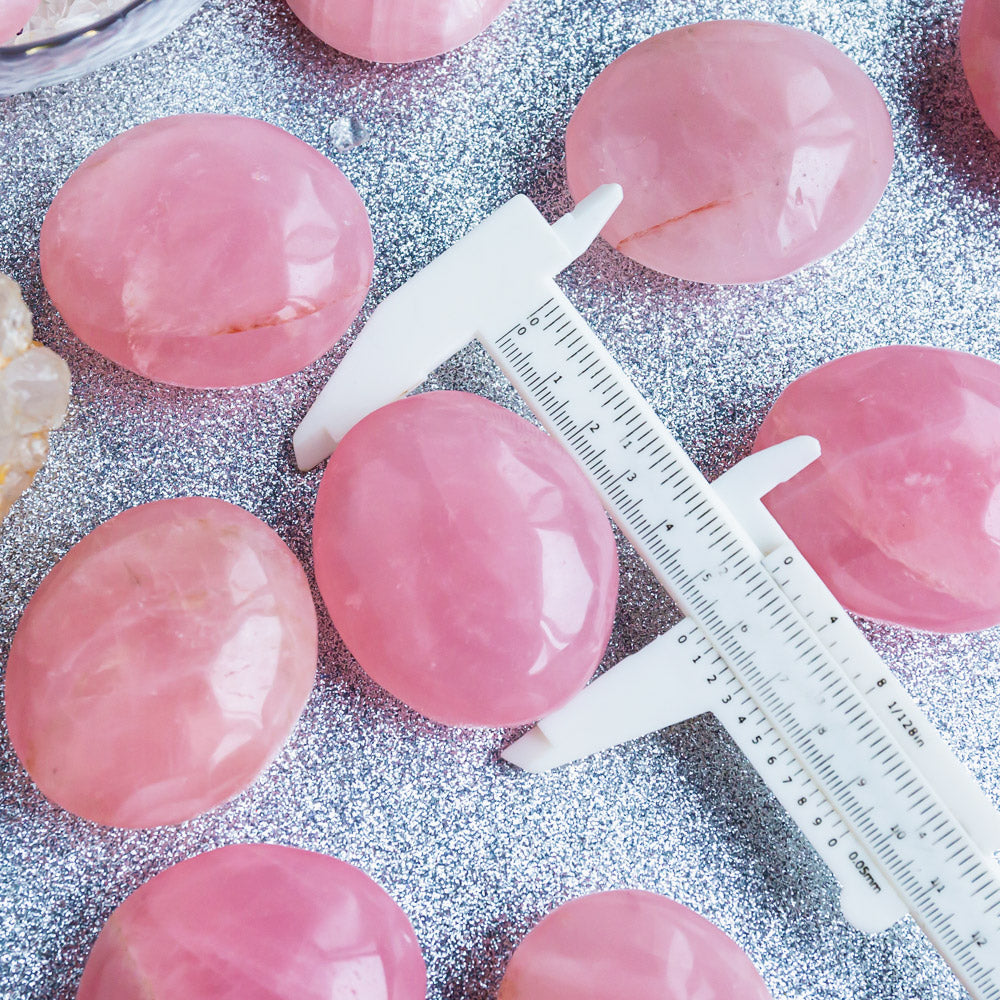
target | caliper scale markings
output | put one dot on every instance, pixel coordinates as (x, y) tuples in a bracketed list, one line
[(770, 651), (847, 750)]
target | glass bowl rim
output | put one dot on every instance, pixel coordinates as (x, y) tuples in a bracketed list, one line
[(56, 41)]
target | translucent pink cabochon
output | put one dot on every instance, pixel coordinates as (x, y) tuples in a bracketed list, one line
[(256, 922), (979, 44), (629, 945), (161, 664), (467, 563), (901, 514), (14, 15), (746, 150), (396, 31), (207, 251)]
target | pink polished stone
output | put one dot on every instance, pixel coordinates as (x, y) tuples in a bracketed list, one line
[(746, 150), (257, 922), (208, 251), (979, 44), (629, 945), (466, 561), (396, 31), (161, 664), (14, 15), (901, 514)]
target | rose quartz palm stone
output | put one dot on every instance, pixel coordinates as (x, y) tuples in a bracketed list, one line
[(745, 150), (207, 251), (396, 31), (629, 945), (14, 15), (901, 514), (257, 922), (467, 563), (979, 44), (161, 664)]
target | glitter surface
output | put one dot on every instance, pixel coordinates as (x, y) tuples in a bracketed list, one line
[(474, 851)]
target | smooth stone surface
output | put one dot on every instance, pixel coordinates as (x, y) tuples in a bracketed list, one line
[(207, 251), (901, 514), (257, 922), (14, 15), (162, 663), (745, 150), (396, 31), (979, 45), (629, 945), (467, 563)]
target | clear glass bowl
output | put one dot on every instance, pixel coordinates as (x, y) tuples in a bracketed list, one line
[(67, 56)]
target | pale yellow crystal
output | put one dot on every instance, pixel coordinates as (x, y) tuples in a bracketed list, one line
[(34, 395)]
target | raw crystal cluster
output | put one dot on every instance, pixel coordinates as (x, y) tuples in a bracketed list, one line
[(161, 664), (257, 922), (14, 15), (34, 394), (745, 150), (465, 560), (900, 515), (979, 43), (208, 250), (627, 945), (396, 31)]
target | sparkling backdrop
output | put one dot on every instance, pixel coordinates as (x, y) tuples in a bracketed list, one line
[(474, 851)]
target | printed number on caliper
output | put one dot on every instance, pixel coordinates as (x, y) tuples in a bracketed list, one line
[(765, 646)]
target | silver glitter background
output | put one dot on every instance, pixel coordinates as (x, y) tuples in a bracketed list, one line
[(473, 850)]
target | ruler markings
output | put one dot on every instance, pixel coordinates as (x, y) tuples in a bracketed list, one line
[(955, 945)]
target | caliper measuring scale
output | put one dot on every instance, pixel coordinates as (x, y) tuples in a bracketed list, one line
[(902, 817)]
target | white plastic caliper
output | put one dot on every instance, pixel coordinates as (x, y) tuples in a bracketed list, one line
[(765, 646)]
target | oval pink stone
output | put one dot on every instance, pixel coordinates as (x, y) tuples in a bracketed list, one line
[(161, 664), (14, 15), (629, 945), (207, 251), (745, 150), (979, 44), (257, 922), (901, 514), (466, 561), (396, 31)]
